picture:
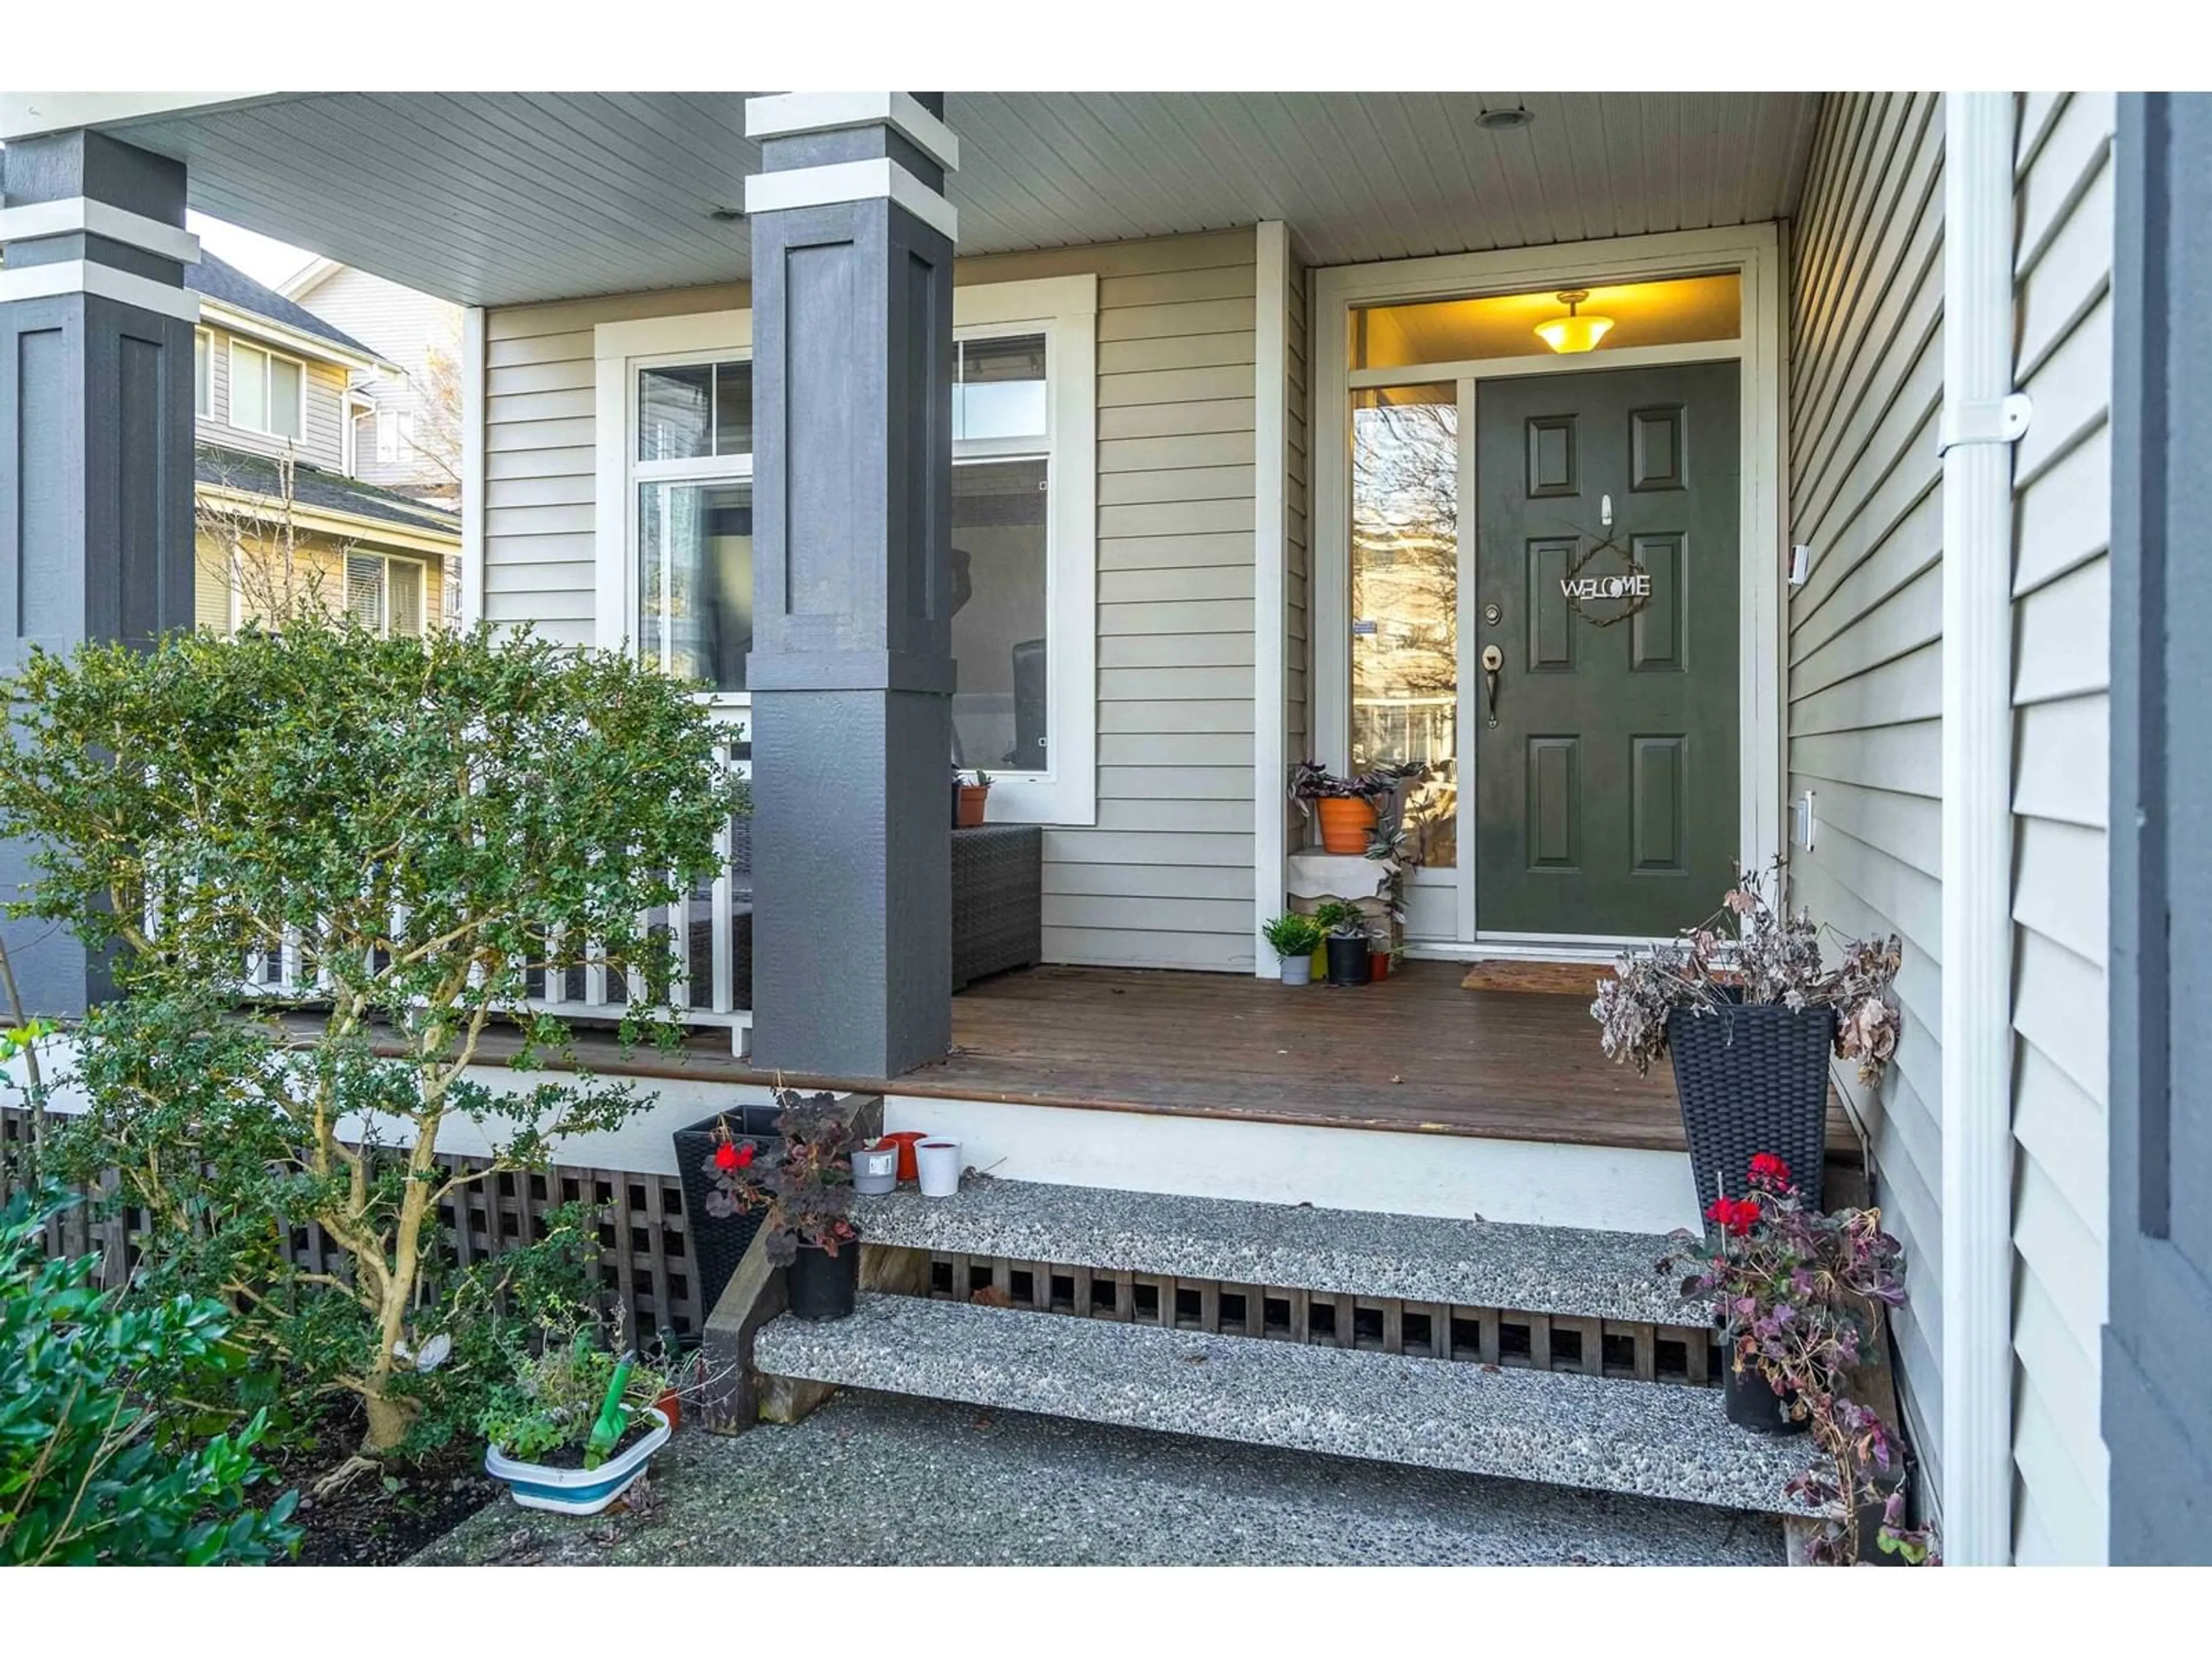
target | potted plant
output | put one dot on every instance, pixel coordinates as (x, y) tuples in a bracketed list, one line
[(804, 1192), (1350, 949), (1294, 938), (1347, 807), (705, 1152), (1796, 1294), (574, 1428), (1749, 1015), (971, 798)]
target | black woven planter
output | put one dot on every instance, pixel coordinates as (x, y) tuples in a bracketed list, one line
[(719, 1243), (1751, 1402), (1752, 1079)]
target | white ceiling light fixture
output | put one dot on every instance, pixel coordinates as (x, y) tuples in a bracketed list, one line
[(1574, 331)]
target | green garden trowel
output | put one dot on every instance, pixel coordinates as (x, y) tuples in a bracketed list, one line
[(613, 1421)]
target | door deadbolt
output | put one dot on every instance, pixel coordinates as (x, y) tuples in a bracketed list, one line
[(1492, 614)]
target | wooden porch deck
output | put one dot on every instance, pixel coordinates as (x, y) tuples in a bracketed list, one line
[(1415, 1054)]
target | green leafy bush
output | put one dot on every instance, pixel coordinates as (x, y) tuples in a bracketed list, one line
[(85, 1475), (430, 824)]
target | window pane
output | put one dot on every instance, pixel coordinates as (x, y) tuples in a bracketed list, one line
[(203, 384), (1405, 600), (1000, 552), (675, 412), (364, 595), (1505, 325), (695, 589), (1001, 389), (284, 398), (734, 409), (249, 390), (405, 583)]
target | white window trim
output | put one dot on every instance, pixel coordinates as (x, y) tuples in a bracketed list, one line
[(271, 355), (1065, 309), (203, 337)]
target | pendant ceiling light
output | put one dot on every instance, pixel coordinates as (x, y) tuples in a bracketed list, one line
[(1574, 331)]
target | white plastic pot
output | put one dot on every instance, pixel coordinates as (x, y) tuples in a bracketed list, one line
[(875, 1170), (577, 1492), (1298, 971), (937, 1162)]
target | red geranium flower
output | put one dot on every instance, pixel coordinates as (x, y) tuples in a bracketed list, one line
[(726, 1155), (1771, 1167), (1734, 1216)]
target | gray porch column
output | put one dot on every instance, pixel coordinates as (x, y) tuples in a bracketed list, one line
[(851, 669), (95, 437)]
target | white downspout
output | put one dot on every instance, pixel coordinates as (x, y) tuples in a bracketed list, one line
[(1982, 418)]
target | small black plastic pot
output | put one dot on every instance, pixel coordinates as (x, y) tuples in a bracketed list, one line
[(1751, 1404), (1871, 1552), (821, 1286), (1348, 962)]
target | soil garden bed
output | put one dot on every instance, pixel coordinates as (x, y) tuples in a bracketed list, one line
[(572, 1457), (379, 1518)]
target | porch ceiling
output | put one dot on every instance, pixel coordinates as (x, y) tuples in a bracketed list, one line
[(497, 198)]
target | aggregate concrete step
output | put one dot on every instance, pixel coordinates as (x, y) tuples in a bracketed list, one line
[(1552, 1270), (1647, 1439)]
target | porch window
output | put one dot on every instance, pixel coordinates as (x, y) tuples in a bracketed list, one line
[(675, 468), (268, 394), (1479, 328), (385, 594)]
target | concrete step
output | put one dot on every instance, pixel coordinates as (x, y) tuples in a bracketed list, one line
[(1553, 1270), (1646, 1439)]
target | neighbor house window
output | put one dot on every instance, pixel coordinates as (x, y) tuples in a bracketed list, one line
[(202, 373), (384, 593), (268, 394), (675, 445)]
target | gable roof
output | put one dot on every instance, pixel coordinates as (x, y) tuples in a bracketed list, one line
[(330, 492), (217, 279)]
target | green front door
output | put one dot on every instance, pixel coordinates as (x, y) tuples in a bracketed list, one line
[(1605, 734)]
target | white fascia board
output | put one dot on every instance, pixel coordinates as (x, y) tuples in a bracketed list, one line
[(781, 114), (88, 277), (28, 114), (253, 325)]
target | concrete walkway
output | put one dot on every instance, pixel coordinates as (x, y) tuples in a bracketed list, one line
[(874, 1480)]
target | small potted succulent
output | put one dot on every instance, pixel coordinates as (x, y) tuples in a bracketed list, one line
[(1294, 939), (971, 798), (574, 1427), (1797, 1294), (1749, 1014), (803, 1193)]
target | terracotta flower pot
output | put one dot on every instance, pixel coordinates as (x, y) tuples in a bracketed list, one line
[(1345, 822), (1378, 965), (973, 798)]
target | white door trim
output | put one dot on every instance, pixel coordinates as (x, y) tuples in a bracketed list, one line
[(1755, 253)]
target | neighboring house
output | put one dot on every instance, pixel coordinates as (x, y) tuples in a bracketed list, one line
[(282, 513), (409, 438), (1257, 452)]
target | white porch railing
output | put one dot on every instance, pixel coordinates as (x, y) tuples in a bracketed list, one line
[(713, 927)]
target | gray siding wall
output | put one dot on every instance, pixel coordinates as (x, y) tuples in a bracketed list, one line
[(324, 445), (407, 327), (2061, 606), (540, 475), (1165, 877), (1865, 654)]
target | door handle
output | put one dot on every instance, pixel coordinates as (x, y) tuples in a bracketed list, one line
[(1493, 659)]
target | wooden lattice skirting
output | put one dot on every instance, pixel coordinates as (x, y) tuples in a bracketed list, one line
[(644, 1239)]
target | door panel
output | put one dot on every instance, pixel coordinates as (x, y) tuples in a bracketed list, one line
[(1606, 790)]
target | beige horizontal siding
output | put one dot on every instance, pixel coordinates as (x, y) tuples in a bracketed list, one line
[(323, 440), (540, 466), (2062, 511), (1865, 651)]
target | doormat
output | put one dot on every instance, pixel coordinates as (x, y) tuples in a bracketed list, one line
[(1575, 979)]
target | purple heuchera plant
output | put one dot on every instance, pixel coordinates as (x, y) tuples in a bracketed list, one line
[(806, 1185), (1797, 1294), (1747, 951)]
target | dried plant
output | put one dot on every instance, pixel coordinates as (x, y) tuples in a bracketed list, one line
[(1749, 952)]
